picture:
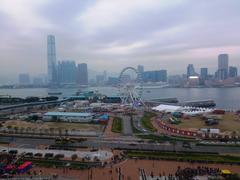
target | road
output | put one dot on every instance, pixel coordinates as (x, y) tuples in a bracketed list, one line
[(123, 143), (127, 127), (28, 142), (156, 146)]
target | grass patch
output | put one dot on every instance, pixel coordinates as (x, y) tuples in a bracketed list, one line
[(146, 121), (214, 158), (117, 125)]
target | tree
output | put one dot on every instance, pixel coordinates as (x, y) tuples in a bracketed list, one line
[(16, 129), (22, 130), (35, 117), (66, 132), (46, 131), (60, 131), (74, 157), (51, 131)]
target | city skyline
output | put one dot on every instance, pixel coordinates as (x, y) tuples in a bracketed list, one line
[(155, 34)]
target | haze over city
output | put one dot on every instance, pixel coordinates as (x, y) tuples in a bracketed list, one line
[(110, 35)]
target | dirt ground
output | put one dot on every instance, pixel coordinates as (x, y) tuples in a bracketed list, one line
[(55, 125), (229, 122), (129, 169)]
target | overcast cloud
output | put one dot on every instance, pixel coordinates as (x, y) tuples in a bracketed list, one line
[(112, 34)]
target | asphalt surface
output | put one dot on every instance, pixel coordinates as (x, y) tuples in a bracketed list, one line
[(121, 143), (127, 127), (101, 154), (157, 146), (27, 142)]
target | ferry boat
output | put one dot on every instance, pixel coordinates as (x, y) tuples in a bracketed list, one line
[(54, 93)]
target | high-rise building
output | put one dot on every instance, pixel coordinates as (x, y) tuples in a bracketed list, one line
[(82, 74), (37, 81), (51, 58), (155, 76), (100, 79), (190, 70), (204, 73), (24, 79), (222, 72), (140, 69), (233, 71), (66, 72), (113, 81), (105, 76)]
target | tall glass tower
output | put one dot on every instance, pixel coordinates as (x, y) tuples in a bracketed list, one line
[(51, 58), (222, 66)]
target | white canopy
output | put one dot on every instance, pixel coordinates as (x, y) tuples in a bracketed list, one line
[(167, 108)]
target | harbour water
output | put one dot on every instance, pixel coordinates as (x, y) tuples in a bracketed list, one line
[(226, 98)]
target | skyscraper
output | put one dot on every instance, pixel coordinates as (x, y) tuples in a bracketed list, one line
[(82, 74), (67, 72), (155, 76), (222, 66), (51, 58), (24, 79), (204, 73), (140, 69), (190, 70), (233, 71)]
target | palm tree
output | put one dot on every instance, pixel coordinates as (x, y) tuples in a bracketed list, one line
[(22, 130), (66, 132), (60, 132), (74, 157), (16, 129), (46, 131), (28, 129), (51, 131)]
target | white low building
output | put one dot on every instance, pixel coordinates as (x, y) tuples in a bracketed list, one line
[(191, 111), (68, 117), (167, 108)]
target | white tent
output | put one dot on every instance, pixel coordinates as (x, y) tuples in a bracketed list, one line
[(185, 110), (167, 108)]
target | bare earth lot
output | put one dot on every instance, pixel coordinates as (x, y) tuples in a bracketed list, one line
[(229, 122), (55, 125)]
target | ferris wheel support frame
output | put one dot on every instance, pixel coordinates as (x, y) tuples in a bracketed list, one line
[(131, 93)]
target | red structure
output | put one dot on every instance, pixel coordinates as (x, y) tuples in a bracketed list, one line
[(24, 167), (9, 168), (175, 130)]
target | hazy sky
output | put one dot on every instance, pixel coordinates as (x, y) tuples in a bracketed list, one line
[(112, 34)]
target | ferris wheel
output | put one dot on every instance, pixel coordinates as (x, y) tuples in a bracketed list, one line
[(130, 87)]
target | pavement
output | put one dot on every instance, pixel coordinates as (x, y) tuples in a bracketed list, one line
[(127, 126), (178, 146)]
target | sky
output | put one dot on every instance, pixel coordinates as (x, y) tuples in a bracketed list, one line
[(113, 34)]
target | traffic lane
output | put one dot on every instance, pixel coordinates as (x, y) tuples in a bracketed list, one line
[(28, 142), (158, 147), (127, 127)]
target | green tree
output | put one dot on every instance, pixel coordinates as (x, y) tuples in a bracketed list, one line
[(74, 157)]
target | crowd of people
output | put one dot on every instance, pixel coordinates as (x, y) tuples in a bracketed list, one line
[(189, 173)]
